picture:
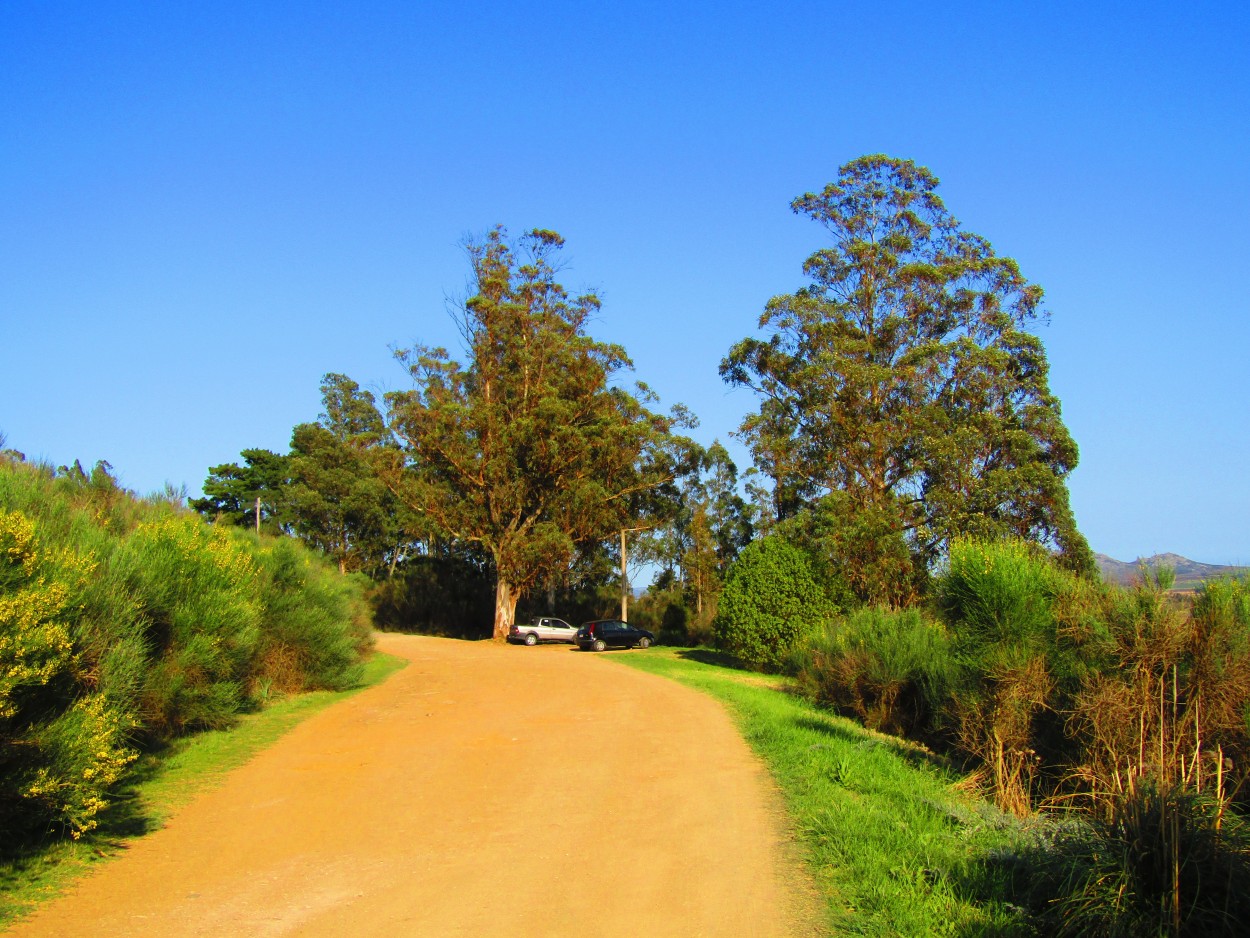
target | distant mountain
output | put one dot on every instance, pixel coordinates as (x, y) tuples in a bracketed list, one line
[(1188, 572)]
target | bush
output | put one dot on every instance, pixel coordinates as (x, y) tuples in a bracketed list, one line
[(1164, 861), (998, 599), (305, 606), (63, 744), (769, 602), (124, 620), (201, 611), (891, 670)]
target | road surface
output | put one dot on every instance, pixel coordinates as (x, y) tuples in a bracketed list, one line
[(484, 790)]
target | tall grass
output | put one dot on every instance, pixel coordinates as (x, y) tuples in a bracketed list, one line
[(1130, 706), (1162, 859)]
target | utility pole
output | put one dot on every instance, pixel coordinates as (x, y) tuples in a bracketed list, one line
[(625, 570), (624, 582), (257, 515)]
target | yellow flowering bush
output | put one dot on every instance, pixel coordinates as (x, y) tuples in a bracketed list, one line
[(62, 747), (35, 642), (89, 756)]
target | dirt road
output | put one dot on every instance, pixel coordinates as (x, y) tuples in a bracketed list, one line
[(484, 790)]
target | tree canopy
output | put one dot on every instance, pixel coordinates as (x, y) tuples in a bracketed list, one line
[(529, 448), (231, 490), (902, 375), (336, 500)]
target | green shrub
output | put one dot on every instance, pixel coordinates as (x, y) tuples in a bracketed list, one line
[(199, 592), (305, 607), (1001, 594), (769, 602), (891, 670), (126, 620)]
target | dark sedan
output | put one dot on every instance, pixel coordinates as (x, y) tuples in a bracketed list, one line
[(612, 633)]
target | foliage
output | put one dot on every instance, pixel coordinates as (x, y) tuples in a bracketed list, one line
[(436, 594), (336, 501), (770, 601), (127, 621), (1165, 861), (315, 625), (903, 375), (201, 618), (1171, 697), (326, 490), (890, 669), (705, 533), (528, 450), (63, 743), (859, 555), (665, 610), (999, 597), (231, 491)]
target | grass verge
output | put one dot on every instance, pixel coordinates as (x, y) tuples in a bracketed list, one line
[(894, 846), (161, 783)]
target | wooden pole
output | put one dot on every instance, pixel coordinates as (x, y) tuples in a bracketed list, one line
[(624, 582), (258, 515)]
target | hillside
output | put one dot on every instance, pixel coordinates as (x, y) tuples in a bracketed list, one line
[(1188, 572)]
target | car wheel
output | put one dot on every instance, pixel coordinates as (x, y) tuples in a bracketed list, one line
[(644, 642), (531, 639), (600, 644)]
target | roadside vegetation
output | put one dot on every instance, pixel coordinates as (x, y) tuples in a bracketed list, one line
[(1111, 723), (127, 624)]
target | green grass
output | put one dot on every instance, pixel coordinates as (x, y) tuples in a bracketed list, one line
[(161, 783), (894, 847)]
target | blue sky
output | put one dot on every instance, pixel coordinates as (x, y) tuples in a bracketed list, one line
[(205, 208)]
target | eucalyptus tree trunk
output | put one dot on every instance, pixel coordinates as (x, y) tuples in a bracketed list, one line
[(505, 608)]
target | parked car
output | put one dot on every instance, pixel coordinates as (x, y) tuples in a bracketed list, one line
[(612, 633), (542, 629)]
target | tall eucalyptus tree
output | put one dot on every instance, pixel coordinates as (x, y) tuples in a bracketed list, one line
[(530, 447), (904, 375)]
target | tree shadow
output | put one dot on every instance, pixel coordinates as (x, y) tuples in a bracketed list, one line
[(720, 659), (125, 819), (1005, 878), (914, 754)]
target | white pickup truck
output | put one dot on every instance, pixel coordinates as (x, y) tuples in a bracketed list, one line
[(542, 629)]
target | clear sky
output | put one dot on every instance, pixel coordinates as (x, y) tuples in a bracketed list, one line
[(206, 207)]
